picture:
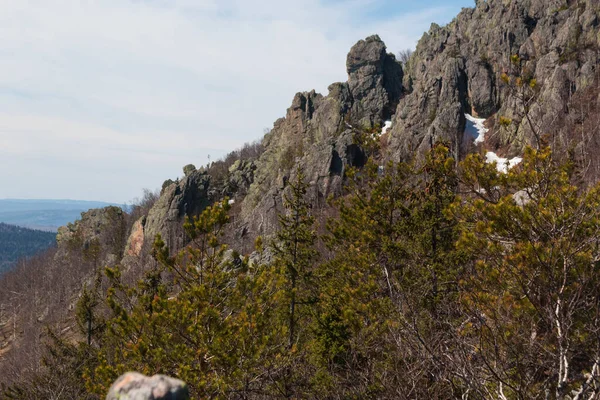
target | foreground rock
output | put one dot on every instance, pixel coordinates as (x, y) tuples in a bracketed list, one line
[(135, 386)]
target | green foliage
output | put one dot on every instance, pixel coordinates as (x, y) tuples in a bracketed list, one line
[(437, 280), (209, 325), (392, 270), (533, 237), (504, 121), (295, 256), (89, 321)]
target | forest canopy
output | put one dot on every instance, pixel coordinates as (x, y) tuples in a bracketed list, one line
[(17, 242), (433, 279)]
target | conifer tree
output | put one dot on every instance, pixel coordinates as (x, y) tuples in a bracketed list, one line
[(294, 248), (87, 313), (204, 315), (532, 293), (295, 256)]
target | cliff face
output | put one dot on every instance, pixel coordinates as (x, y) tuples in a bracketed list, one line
[(177, 200), (528, 68), (458, 70), (98, 234), (522, 66), (317, 134)]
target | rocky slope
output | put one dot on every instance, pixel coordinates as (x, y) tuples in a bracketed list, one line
[(519, 65), (527, 68), (468, 67), (318, 134), (522, 66)]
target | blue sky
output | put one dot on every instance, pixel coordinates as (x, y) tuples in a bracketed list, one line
[(102, 98)]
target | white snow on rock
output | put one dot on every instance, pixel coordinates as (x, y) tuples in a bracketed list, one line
[(475, 128), (502, 164), (387, 125)]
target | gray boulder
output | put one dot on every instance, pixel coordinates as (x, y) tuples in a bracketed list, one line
[(135, 386)]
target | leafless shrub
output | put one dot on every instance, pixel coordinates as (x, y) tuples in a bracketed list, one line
[(404, 56)]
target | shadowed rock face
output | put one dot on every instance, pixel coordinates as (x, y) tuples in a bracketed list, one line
[(134, 386), (187, 197), (374, 80)]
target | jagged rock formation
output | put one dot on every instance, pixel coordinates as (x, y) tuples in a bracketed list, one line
[(187, 197), (99, 231), (239, 178), (318, 133), (134, 386), (458, 69), (455, 70), (374, 81)]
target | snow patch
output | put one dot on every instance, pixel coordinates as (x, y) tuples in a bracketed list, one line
[(387, 125), (475, 128), (521, 197), (502, 164), (231, 201)]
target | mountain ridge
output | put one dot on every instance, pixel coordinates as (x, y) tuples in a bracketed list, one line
[(502, 64)]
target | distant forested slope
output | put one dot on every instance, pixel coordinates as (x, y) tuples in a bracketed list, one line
[(17, 242)]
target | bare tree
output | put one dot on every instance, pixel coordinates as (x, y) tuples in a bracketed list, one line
[(404, 56)]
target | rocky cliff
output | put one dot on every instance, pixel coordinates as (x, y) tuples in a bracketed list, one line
[(318, 134), (525, 70), (521, 61), (520, 67)]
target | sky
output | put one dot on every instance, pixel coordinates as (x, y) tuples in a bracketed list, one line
[(100, 99)]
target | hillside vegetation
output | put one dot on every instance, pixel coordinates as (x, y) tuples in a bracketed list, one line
[(17, 242), (431, 280), (426, 230)]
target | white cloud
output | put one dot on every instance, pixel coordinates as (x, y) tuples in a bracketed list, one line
[(133, 90)]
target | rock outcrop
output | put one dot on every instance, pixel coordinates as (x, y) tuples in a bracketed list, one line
[(374, 81), (318, 133), (459, 69), (239, 178), (187, 197), (477, 65), (100, 231), (135, 242), (135, 386)]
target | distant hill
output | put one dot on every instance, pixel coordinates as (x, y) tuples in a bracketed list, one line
[(45, 215), (17, 242)]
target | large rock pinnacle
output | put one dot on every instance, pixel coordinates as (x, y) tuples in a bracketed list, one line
[(374, 79)]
